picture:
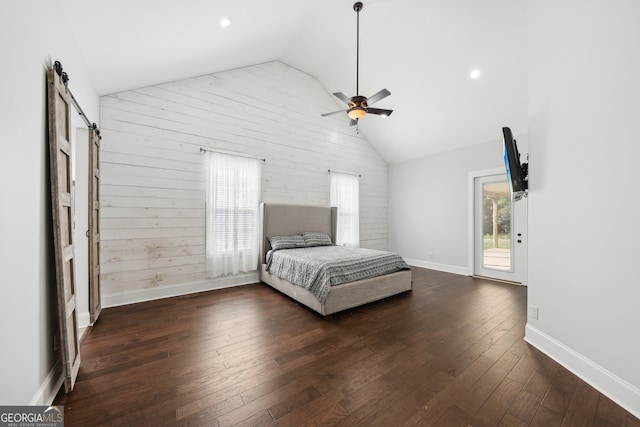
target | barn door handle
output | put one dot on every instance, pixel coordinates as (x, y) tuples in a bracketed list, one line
[(87, 234)]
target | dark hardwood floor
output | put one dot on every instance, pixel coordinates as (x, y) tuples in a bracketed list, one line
[(449, 353)]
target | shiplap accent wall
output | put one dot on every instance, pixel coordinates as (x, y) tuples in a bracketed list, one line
[(152, 186)]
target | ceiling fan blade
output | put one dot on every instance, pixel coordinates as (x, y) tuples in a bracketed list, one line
[(353, 122), (332, 113), (341, 96), (379, 112), (378, 96)]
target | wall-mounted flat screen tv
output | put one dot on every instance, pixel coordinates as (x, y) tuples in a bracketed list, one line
[(517, 173)]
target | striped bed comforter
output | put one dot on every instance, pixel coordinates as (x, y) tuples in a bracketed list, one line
[(318, 268)]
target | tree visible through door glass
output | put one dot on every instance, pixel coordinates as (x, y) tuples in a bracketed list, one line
[(496, 226)]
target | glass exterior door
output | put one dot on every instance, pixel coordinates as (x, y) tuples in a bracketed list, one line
[(499, 232), (496, 226)]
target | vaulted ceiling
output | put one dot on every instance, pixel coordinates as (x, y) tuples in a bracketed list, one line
[(422, 51)]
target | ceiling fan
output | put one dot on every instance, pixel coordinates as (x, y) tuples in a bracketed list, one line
[(359, 105)]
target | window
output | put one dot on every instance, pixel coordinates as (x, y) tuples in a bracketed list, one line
[(232, 199), (345, 196)]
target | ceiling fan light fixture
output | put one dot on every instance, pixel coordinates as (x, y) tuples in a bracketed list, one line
[(356, 113)]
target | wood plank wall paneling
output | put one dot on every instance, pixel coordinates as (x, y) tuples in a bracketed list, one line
[(152, 186)]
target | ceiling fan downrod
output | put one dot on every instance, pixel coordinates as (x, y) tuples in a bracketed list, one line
[(357, 6)]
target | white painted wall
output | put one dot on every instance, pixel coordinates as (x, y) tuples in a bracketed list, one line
[(152, 187), (584, 228), (428, 203), (32, 35)]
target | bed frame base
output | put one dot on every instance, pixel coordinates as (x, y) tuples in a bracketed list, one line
[(344, 296)]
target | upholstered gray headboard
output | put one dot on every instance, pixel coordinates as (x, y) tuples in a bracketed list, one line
[(287, 220)]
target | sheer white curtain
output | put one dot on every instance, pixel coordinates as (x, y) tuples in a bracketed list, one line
[(232, 206), (345, 196)]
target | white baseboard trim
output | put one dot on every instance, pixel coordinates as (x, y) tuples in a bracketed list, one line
[(83, 320), (49, 388), (616, 389), (464, 271), (141, 295)]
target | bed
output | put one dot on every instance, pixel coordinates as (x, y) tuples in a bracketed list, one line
[(289, 220)]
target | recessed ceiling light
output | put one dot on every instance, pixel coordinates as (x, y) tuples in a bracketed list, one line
[(474, 74), (225, 22)]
